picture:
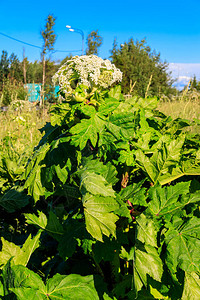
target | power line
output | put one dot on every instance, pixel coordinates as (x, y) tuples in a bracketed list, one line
[(31, 45)]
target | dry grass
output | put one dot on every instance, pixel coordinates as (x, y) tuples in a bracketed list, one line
[(185, 106), (19, 129)]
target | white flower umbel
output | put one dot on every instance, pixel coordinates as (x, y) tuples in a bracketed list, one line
[(88, 70)]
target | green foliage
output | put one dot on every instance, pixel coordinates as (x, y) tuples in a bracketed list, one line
[(144, 74), (108, 206), (94, 41), (11, 91), (48, 34)]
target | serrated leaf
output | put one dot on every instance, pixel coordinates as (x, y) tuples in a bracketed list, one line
[(62, 173), (51, 224), (71, 287), (183, 244), (121, 125), (184, 168), (32, 173), (135, 193), (191, 286), (115, 92), (146, 230), (28, 248), (127, 157), (28, 284), (20, 255), (95, 184), (28, 293), (109, 106), (53, 227), (86, 130), (163, 161), (165, 200), (14, 199), (147, 262), (40, 220), (73, 230), (99, 218)]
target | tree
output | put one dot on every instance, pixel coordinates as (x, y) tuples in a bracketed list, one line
[(142, 69), (64, 60), (94, 41), (4, 65), (34, 72), (194, 84), (15, 68), (49, 38)]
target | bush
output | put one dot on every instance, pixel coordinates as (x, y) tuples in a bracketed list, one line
[(108, 205), (12, 90)]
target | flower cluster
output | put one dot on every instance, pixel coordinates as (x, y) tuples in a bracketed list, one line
[(90, 71)]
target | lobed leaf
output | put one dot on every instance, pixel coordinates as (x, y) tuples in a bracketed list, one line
[(183, 244), (95, 184), (99, 218), (191, 286)]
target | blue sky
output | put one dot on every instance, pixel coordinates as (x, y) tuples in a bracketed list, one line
[(170, 27)]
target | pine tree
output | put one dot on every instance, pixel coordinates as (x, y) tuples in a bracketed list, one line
[(142, 68), (49, 38), (94, 41)]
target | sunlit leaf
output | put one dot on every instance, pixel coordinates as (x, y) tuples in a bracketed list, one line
[(99, 218)]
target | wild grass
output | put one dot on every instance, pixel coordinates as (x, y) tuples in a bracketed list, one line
[(185, 106), (19, 128)]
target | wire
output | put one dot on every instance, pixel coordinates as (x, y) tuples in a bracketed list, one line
[(31, 45)]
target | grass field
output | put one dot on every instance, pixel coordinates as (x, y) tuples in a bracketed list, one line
[(19, 129), (186, 106)]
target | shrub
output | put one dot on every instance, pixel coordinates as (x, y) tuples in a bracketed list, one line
[(111, 197)]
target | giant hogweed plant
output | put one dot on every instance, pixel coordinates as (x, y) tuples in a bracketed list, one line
[(108, 205)]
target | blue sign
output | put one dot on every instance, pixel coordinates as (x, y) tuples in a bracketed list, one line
[(34, 91)]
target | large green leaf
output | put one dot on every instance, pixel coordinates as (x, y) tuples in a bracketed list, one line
[(86, 130), (51, 224), (74, 231), (108, 107), (187, 167), (121, 125), (135, 193), (167, 200), (27, 285), (146, 230), (99, 218), (115, 92), (54, 227), (72, 287), (191, 286), (20, 255), (32, 174), (183, 244), (95, 184), (39, 221), (163, 161), (147, 263), (14, 199)]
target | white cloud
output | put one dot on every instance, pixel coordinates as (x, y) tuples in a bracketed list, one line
[(183, 73)]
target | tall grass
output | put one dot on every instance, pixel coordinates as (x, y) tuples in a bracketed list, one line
[(19, 128), (185, 106)]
